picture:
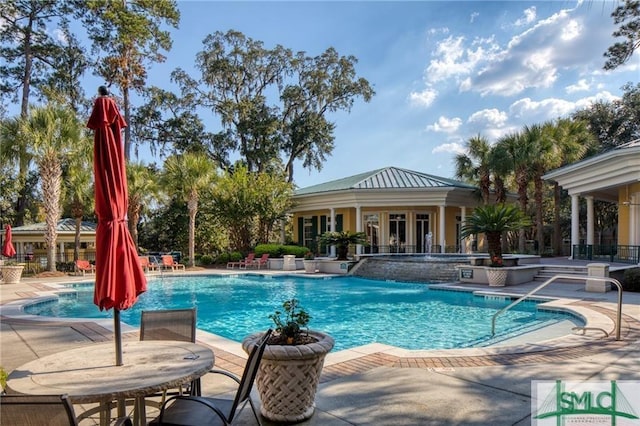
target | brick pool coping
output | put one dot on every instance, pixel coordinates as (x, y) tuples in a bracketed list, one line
[(362, 359)]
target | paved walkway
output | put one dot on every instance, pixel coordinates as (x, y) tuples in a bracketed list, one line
[(382, 385)]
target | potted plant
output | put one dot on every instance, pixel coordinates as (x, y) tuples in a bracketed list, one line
[(342, 240), (11, 272), (494, 220), (310, 265), (291, 365)]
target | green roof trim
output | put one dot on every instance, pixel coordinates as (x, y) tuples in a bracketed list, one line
[(67, 225), (385, 178)]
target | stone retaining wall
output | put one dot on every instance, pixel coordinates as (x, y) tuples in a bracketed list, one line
[(410, 270)]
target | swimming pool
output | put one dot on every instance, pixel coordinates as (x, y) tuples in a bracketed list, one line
[(355, 311)]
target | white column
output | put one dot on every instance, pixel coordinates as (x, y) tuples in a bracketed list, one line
[(332, 228), (575, 223), (60, 255), (590, 219), (358, 227), (441, 231), (464, 244)]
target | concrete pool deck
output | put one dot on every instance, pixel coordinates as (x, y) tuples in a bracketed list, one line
[(379, 384)]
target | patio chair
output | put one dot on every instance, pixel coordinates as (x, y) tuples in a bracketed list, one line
[(84, 266), (263, 261), (38, 410), (147, 265), (244, 262), (198, 410), (169, 262), (171, 324)]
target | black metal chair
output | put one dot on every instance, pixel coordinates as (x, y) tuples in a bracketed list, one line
[(198, 410), (170, 324), (38, 410)]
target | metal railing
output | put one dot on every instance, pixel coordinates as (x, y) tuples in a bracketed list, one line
[(607, 252), (565, 277)]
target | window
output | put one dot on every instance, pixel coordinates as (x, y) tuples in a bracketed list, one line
[(397, 232), (372, 229)]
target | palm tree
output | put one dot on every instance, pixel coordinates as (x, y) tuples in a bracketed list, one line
[(79, 187), (493, 220), (16, 152), (543, 152), (342, 240), (54, 134), (143, 187), (572, 140), (187, 175), (474, 166), (514, 154)]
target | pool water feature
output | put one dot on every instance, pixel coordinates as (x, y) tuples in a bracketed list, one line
[(354, 311)]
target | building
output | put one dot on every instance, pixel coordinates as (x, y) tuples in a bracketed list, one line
[(29, 243), (401, 211), (613, 176)]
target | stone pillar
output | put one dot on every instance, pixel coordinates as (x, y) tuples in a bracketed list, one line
[(575, 223), (289, 262), (464, 244), (358, 227), (598, 270), (442, 229), (590, 220), (332, 228)]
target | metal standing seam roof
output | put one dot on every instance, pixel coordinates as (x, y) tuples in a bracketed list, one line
[(67, 225), (385, 178)]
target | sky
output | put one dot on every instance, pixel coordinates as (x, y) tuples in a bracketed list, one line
[(443, 71)]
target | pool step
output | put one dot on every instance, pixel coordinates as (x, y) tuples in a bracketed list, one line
[(550, 271)]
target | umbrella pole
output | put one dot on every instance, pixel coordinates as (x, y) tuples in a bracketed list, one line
[(118, 336)]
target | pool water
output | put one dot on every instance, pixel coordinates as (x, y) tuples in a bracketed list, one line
[(355, 311)]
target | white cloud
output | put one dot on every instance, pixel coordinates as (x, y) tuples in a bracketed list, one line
[(489, 117), (446, 125), (60, 35), (551, 108), (473, 17), (423, 99), (581, 86), (451, 147), (452, 59), (534, 58), (529, 17)]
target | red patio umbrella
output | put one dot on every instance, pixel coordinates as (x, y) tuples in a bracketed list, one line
[(119, 276), (7, 247)]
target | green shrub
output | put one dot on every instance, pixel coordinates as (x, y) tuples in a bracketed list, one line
[(205, 259), (279, 250), (631, 280)]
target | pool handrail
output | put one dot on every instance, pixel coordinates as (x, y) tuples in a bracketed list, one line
[(566, 277)]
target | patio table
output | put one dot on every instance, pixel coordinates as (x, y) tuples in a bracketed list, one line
[(89, 375)]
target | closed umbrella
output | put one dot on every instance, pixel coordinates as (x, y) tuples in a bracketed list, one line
[(7, 247), (119, 276)]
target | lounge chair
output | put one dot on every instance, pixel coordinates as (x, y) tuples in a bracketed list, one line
[(198, 410), (168, 262), (170, 324), (242, 263), (147, 265), (84, 266), (51, 410), (263, 261)]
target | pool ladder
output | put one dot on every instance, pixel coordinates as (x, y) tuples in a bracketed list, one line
[(566, 277)]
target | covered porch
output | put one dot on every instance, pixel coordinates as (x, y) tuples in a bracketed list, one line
[(614, 177)]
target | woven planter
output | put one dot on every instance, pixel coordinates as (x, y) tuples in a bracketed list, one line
[(288, 377), (11, 274), (310, 266), (497, 277)]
